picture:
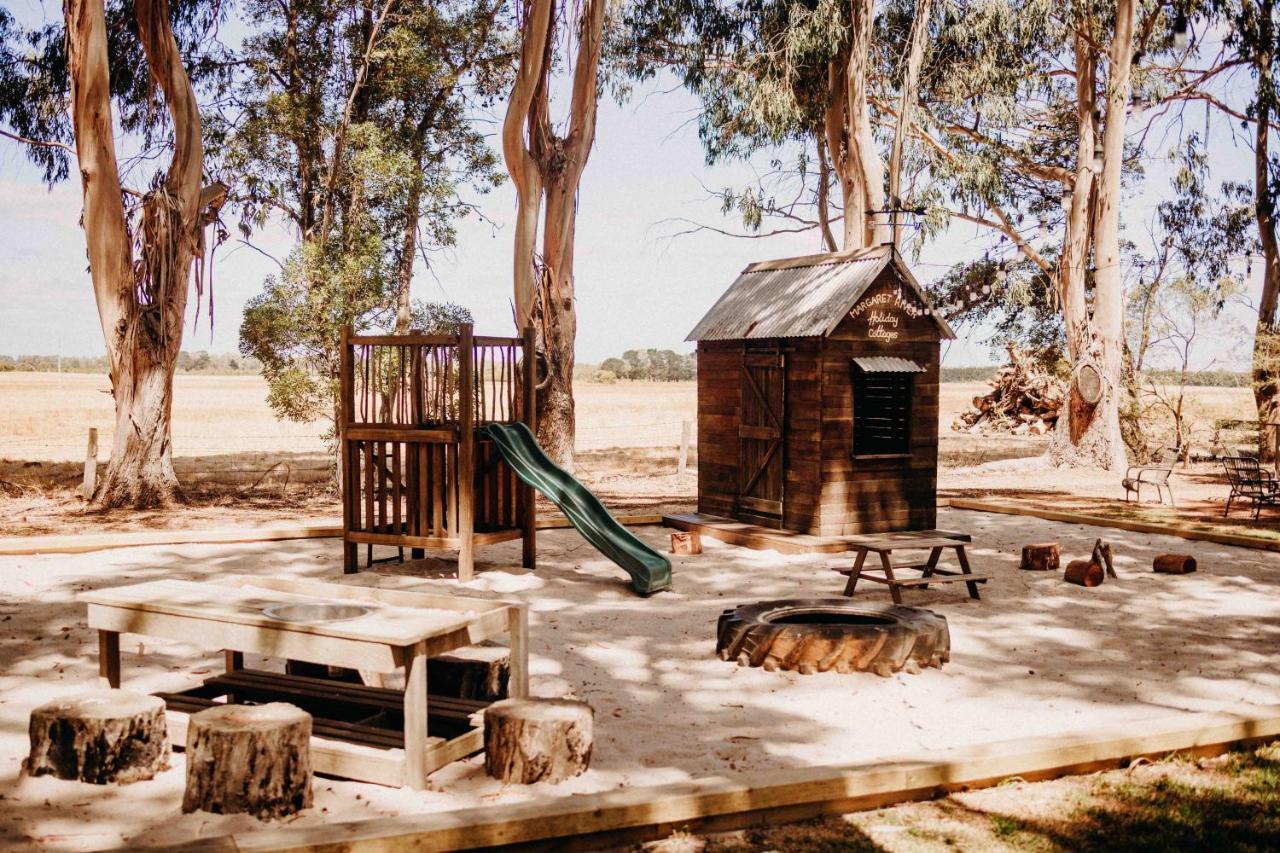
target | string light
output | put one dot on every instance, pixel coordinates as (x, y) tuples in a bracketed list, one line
[(1042, 230), (1067, 195)]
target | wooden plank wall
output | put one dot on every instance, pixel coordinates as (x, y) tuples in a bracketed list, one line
[(719, 378), (861, 495), (803, 449)]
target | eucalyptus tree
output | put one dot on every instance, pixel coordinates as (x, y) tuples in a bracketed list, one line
[(546, 166), (354, 123), (61, 87)]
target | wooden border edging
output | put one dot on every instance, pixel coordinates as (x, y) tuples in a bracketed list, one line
[(719, 803), (81, 544), (1119, 524)]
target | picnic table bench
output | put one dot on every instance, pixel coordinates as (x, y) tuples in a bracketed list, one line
[(885, 545)]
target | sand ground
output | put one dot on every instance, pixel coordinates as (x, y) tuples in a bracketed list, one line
[(1035, 656)]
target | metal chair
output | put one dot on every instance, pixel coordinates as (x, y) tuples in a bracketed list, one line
[(1155, 475), (1250, 482)]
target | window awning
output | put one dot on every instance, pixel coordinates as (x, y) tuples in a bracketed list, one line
[(887, 364)]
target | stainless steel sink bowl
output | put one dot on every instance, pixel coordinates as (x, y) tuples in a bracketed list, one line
[(315, 613)]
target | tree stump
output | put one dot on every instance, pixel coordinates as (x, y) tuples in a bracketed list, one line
[(471, 672), (1084, 573), (686, 543), (1174, 564), (253, 759), (537, 740), (101, 737), (1041, 557)]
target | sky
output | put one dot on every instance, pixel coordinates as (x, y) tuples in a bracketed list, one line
[(637, 285)]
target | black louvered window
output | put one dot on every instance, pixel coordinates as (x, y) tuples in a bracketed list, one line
[(881, 413)]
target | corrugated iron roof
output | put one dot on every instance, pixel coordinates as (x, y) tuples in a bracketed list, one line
[(887, 364), (800, 297)]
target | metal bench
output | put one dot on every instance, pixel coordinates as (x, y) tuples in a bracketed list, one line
[(1249, 482)]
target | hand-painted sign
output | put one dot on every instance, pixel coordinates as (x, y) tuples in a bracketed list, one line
[(886, 312)]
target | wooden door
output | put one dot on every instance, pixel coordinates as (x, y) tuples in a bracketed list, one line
[(760, 452)]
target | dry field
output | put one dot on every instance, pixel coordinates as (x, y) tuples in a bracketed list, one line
[(240, 465)]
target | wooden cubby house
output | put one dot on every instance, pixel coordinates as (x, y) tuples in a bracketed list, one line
[(417, 472), (818, 397)]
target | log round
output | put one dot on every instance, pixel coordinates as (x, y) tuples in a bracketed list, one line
[(250, 759), (1174, 564), (101, 737), (686, 543), (1084, 573), (1041, 557), (537, 740), (820, 634)]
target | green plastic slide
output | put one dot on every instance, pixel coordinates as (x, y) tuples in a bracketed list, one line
[(649, 570)]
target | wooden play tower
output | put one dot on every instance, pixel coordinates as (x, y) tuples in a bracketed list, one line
[(417, 471)]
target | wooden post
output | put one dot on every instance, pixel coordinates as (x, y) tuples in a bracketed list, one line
[(683, 465), (346, 402), (466, 456), (109, 657), (90, 466), (528, 499), (518, 666), (415, 717)]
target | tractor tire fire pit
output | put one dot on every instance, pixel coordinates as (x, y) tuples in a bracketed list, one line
[(818, 635)]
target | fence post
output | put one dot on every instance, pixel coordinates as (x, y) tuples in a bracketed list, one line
[(683, 465), (466, 453), (90, 466), (528, 498), (349, 493)]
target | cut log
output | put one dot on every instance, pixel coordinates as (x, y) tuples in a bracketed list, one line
[(1084, 573), (1102, 555), (1041, 557), (686, 543), (249, 759), (1174, 564), (101, 737), (471, 672), (537, 740)]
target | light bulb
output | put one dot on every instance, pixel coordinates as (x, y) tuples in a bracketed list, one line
[(1097, 162), (1042, 229)]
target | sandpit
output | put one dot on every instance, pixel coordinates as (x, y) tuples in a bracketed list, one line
[(1034, 657)]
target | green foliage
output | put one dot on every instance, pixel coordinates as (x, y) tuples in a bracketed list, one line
[(652, 365)]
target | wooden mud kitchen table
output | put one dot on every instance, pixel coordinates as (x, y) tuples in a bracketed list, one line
[(372, 734), (934, 541)]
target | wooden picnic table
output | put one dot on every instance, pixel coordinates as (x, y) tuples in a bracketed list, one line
[(885, 545), (401, 629)]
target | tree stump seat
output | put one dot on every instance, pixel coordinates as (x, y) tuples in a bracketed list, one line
[(1041, 557), (251, 759), (537, 740), (100, 737)]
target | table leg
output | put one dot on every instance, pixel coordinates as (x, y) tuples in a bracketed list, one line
[(887, 562), (109, 657), (855, 574), (415, 718), (233, 660), (964, 567), (934, 555), (518, 634)]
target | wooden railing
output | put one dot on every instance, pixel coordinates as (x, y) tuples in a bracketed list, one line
[(415, 472)]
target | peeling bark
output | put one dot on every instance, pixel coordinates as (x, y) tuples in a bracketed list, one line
[(1089, 434), (1266, 341), (142, 302), (546, 170)]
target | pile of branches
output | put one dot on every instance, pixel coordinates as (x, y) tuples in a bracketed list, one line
[(1025, 399)]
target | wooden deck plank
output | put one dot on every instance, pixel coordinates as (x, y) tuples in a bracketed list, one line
[(755, 536)]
